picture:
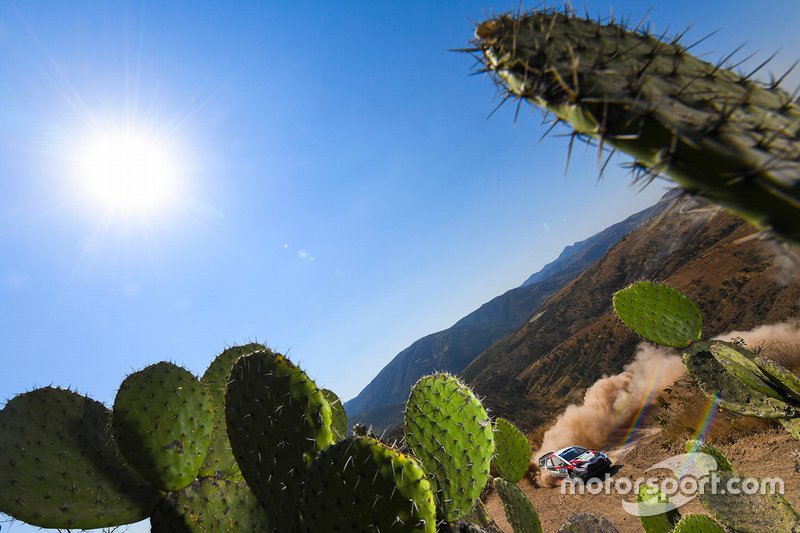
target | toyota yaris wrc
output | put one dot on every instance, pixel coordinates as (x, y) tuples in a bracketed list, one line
[(574, 462)]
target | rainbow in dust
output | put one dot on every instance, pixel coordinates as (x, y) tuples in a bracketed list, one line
[(651, 389)]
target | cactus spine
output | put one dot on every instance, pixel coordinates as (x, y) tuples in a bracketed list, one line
[(717, 134)]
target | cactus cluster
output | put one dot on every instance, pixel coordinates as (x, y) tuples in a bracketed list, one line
[(716, 133), (254, 445)]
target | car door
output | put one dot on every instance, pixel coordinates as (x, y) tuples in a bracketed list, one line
[(554, 465)]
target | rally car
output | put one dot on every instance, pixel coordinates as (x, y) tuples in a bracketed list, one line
[(574, 462)]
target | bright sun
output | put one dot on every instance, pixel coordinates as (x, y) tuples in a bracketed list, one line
[(127, 173)]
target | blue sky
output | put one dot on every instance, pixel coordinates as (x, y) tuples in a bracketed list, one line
[(342, 192)]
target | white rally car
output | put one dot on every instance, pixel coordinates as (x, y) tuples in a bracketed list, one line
[(574, 462)]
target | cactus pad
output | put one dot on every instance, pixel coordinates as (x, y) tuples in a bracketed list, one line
[(740, 363), (749, 513), (219, 459), (780, 377), (162, 421), (361, 484), (210, 506), (718, 134), (338, 415), (651, 500), (659, 313), (698, 446), (60, 468), (698, 523), (587, 523), (447, 428), (519, 510), (512, 451), (278, 421), (732, 394)]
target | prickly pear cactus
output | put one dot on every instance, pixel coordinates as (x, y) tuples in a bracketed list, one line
[(651, 500), (717, 134), (162, 421), (699, 446), (749, 513), (219, 460), (698, 523), (60, 468), (715, 381), (338, 415), (512, 451), (447, 428), (519, 510), (210, 505), (278, 421), (659, 313), (361, 484), (587, 523)]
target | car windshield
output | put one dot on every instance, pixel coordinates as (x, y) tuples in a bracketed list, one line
[(571, 453)]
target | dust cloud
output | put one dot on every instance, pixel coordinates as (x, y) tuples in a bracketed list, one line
[(613, 403)]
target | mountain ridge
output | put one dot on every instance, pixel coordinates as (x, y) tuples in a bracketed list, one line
[(381, 402)]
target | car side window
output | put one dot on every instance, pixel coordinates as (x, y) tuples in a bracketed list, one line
[(550, 464)]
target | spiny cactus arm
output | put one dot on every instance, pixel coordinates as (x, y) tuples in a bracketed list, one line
[(512, 451), (60, 468), (338, 415), (659, 313), (717, 134), (278, 421), (219, 461), (361, 484), (519, 511), (162, 421), (750, 513), (655, 511), (210, 505), (448, 430), (730, 392), (698, 523)]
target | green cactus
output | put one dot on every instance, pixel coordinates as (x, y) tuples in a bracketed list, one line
[(699, 446), (479, 515), (210, 505), (717, 134), (338, 415), (651, 500), (731, 392), (698, 523), (60, 468), (749, 513), (659, 313), (447, 428), (219, 460), (361, 484), (512, 451), (587, 523), (162, 421), (278, 421), (519, 510)]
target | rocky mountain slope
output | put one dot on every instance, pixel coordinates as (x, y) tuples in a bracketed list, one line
[(574, 338), (381, 402)]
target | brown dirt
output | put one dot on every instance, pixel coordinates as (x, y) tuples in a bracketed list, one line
[(767, 454)]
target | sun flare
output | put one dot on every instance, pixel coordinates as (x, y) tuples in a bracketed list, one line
[(127, 173)]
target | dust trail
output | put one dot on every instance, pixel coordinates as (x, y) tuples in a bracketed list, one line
[(617, 403), (614, 402), (766, 337)]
